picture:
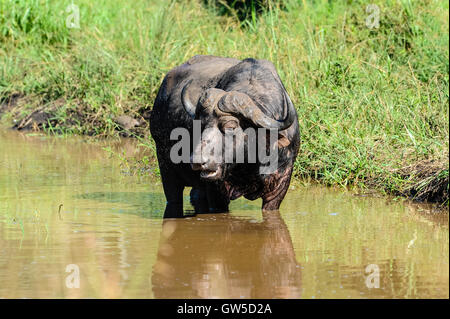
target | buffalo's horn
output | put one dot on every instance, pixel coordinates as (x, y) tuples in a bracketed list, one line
[(186, 101), (240, 103)]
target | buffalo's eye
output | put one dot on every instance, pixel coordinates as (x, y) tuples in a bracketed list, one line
[(231, 124)]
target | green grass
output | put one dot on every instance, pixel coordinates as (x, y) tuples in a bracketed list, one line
[(371, 102)]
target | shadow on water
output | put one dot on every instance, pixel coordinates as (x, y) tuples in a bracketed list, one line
[(148, 204), (222, 256)]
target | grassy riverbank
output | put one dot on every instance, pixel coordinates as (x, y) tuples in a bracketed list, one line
[(372, 103)]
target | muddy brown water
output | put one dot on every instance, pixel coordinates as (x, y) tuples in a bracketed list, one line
[(109, 237)]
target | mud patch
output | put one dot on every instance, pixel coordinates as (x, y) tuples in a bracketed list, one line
[(75, 117), (9, 102), (130, 126), (429, 181), (40, 118)]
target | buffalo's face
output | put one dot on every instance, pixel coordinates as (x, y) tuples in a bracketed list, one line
[(222, 140), (225, 118)]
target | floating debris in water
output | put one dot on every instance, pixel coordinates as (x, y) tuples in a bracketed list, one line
[(59, 211)]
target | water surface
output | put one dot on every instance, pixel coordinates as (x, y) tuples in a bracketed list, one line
[(110, 227)]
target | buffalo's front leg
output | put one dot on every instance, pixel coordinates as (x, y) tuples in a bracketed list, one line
[(199, 200), (273, 198), (173, 190), (208, 200), (271, 205), (217, 201)]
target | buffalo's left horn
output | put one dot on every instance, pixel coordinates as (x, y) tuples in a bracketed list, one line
[(240, 103)]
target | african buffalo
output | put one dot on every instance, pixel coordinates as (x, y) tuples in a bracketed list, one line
[(224, 95)]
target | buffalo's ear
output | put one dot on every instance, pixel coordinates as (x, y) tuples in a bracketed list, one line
[(283, 141)]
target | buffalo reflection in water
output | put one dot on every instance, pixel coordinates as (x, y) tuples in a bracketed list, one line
[(221, 256)]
